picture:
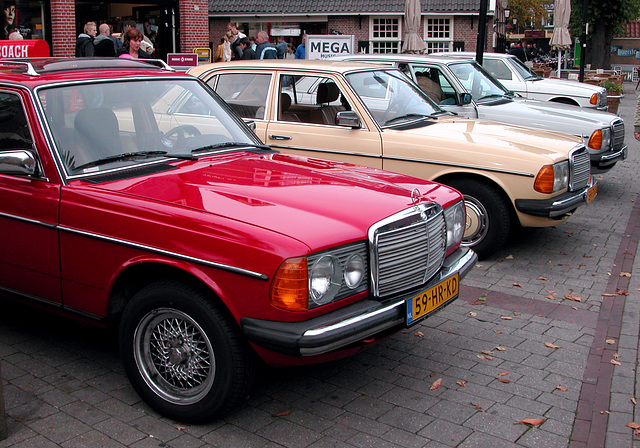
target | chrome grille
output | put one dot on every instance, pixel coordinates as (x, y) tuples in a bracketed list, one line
[(580, 166), (407, 249), (618, 135)]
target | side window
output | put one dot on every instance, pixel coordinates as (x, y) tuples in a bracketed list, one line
[(429, 79), (14, 129), (246, 93), (310, 99), (498, 69)]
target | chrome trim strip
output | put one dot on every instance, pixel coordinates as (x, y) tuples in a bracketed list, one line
[(614, 155), (402, 159), (152, 249), (167, 253)]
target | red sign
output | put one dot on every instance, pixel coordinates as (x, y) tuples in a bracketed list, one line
[(182, 61), (28, 48)]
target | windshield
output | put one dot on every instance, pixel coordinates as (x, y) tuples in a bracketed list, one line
[(522, 69), (102, 126), (391, 97), (477, 81)]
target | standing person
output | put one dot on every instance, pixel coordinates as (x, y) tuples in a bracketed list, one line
[(281, 47), (301, 50), (103, 45), (132, 40), (219, 54), (518, 51), (247, 51), (145, 44), (291, 52), (265, 49), (234, 40), (84, 43)]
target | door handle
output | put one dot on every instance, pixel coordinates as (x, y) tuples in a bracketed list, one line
[(279, 137)]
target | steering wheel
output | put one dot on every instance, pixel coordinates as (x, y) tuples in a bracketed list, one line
[(178, 134)]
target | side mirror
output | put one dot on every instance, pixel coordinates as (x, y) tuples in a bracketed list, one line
[(19, 161), (251, 124), (348, 119), (465, 98)]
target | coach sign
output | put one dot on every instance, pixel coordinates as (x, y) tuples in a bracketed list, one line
[(327, 46), (28, 48)]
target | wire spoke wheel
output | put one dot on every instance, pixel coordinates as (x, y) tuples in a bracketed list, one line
[(174, 355)]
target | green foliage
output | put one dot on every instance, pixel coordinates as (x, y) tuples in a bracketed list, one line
[(611, 86), (613, 15)]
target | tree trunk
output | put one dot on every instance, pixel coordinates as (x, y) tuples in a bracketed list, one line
[(598, 47)]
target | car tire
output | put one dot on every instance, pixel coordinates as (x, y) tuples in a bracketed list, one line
[(488, 218), (183, 355)]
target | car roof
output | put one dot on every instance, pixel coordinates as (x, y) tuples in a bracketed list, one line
[(40, 71), (304, 64), (395, 57), (471, 55)]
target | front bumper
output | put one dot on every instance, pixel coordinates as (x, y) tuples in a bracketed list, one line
[(348, 325), (601, 163), (555, 207)]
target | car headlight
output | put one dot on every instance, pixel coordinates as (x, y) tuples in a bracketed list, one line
[(600, 139), (304, 283), (455, 218), (552, 178)]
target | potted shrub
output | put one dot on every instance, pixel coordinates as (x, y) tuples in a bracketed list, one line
[(614, 92)]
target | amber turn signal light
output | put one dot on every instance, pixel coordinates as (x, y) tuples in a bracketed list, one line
[(290, 287)]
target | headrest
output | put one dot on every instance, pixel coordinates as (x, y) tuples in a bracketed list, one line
[(100, 127), (285, 101), (327, 93)]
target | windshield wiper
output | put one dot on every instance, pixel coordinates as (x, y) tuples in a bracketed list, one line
[(406, 117), (226, 145), (133, 155)]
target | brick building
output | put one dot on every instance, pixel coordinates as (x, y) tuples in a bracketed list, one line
[(177, 26), (376, 24)]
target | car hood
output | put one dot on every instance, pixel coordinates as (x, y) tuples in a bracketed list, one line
[(493, 142), (310, 200), (563, 87), (547, 115)]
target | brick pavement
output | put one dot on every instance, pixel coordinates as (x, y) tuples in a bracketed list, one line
[(64, 384)]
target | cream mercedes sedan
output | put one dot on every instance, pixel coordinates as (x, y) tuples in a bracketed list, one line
[(356, 112)]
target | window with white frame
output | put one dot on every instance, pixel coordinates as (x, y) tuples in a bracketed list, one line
[(438, 34), (385, 34)]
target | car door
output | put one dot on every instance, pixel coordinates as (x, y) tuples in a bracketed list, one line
[(303, 120), (29, 249)]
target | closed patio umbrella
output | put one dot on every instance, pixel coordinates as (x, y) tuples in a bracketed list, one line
[(413, 43), (561, 39)]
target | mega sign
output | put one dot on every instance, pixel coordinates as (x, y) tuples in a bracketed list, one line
[(327, 46)]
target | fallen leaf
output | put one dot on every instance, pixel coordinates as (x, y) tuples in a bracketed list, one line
[(487, 352), (573, 297), (473, 314), (180, 428), (461, 383), (634, 401), (562, 388), (633, 425), (489, 358), (622, 292), (282, 414), (497, 331), (625, 274), (550, 297), (517, 314), (503, 373), (420, 334), (517, 285), (550, 291), (476, 406), (574, 308), (543, 278), (531, 421), (500, 349), (610, 341), (481, 356), (607, 294), (617, 363), (509, 257), (506, 318), (432, 375), (550, 345), (616, 356), (436, 384), (482, 298), (502, 380)]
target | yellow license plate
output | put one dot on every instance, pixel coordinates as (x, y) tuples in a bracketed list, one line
[(591, 193), (433, 298)]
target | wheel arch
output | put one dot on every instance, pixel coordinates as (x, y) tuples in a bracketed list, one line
[(565, 100)]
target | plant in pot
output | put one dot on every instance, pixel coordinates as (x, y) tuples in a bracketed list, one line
[(614, 92)]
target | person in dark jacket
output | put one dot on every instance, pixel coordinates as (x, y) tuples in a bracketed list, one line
[(84, 43), (265, 49), (104, 46), (247, 51), (518, 51)]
